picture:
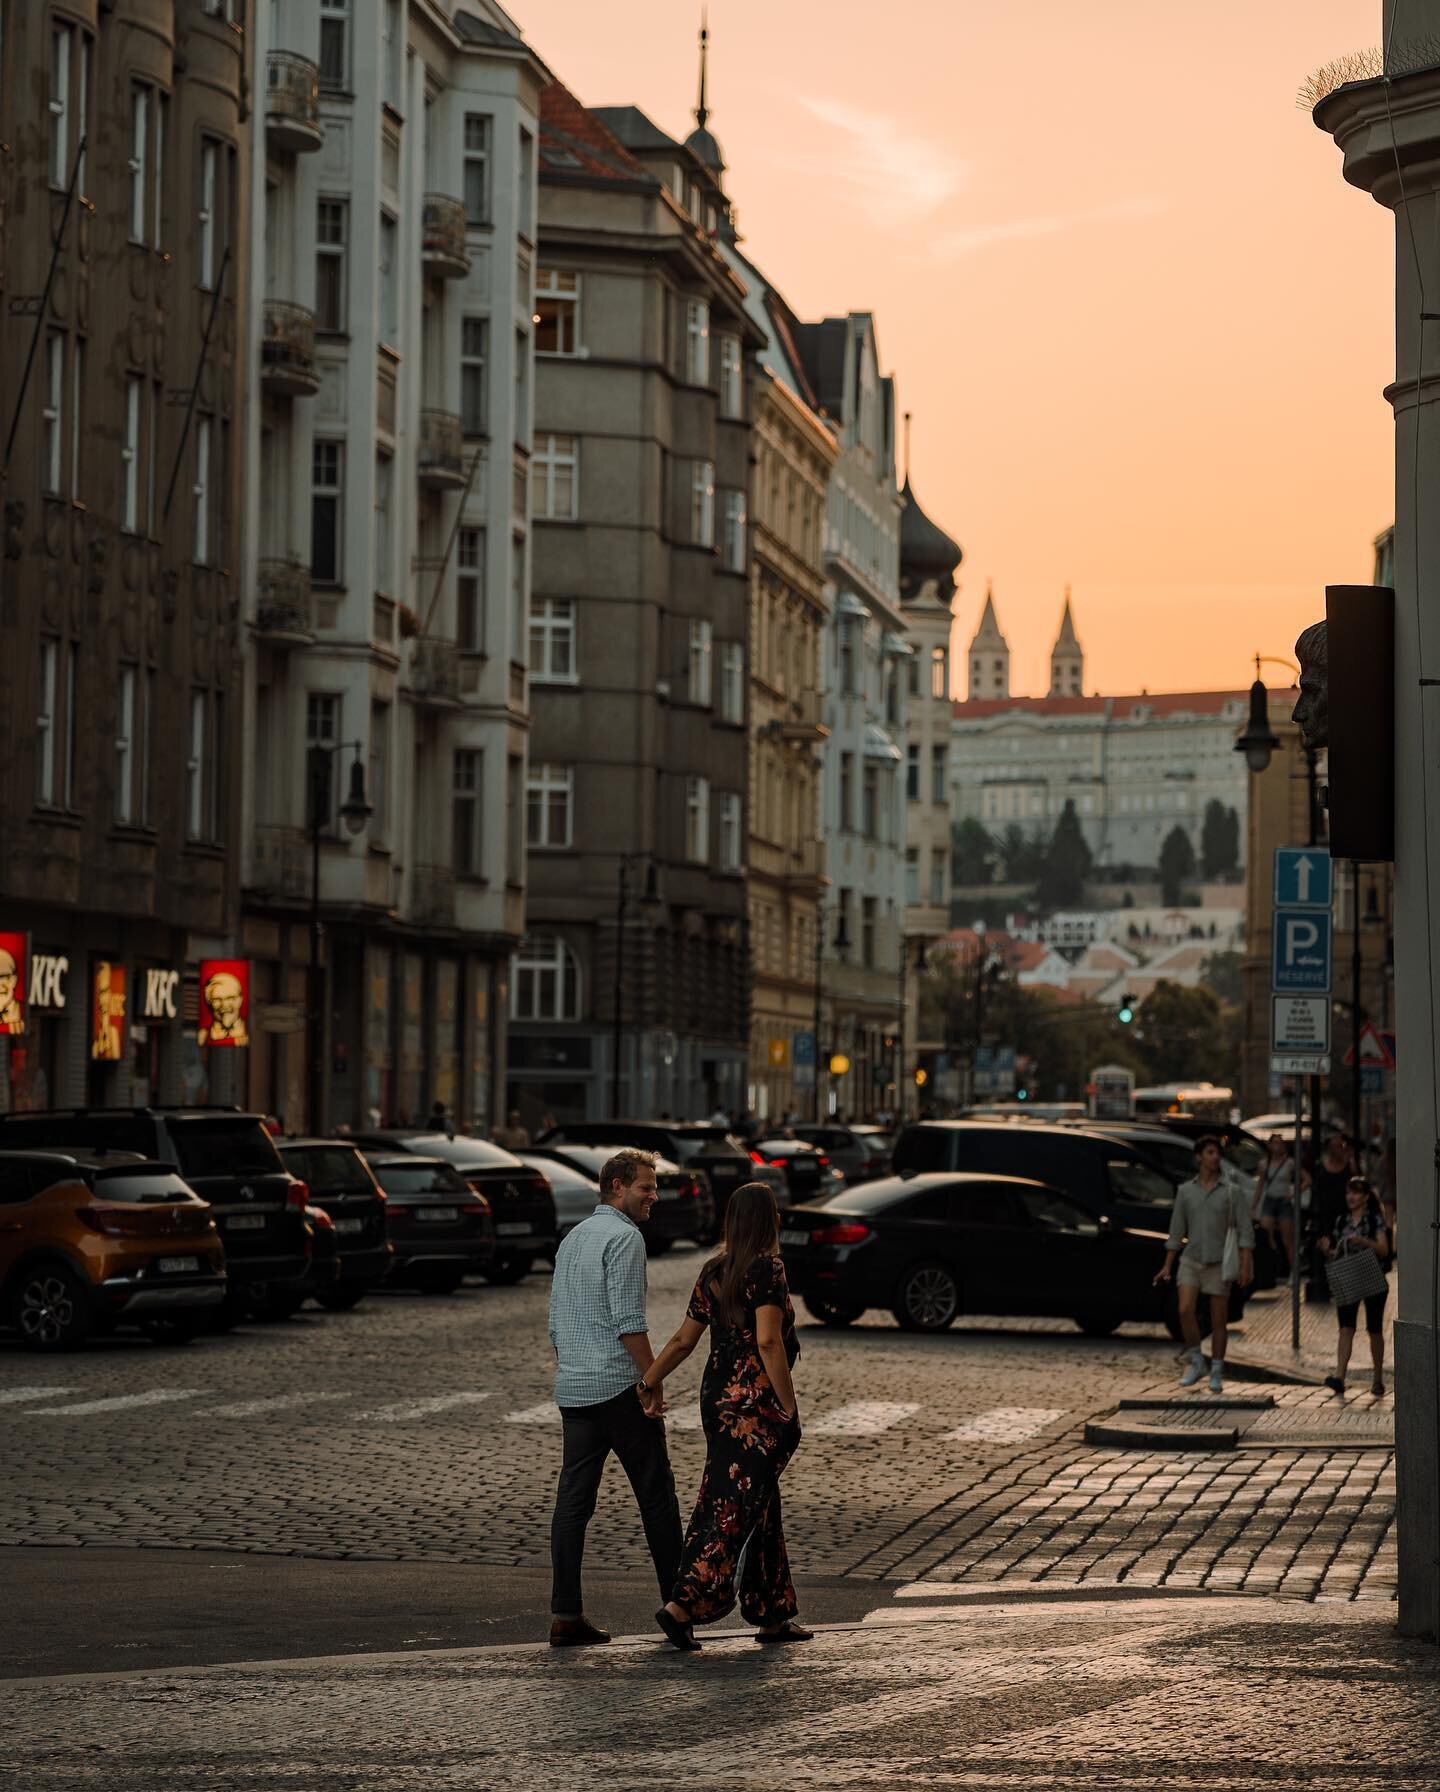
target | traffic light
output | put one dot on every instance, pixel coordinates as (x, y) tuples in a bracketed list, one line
[(1125, 1013)]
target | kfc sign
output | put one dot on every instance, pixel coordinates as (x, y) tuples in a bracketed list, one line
[(48, 971), (224, 1001), (14, 956), (161, 998), (107, 1013)]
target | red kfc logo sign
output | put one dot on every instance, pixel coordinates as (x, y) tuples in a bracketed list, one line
[(14, 961), (224, 1001)]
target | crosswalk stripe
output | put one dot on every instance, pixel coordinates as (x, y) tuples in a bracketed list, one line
[(11, 1395), (117, 1402), (422, 1409), (250, 1409), (545, 1414), (1006, 1424), (861, 1418)]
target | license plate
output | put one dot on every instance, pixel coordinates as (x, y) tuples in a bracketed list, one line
[(349, 1225), (512, 1229), (669, 1194), (178, 1266), (245, 1222), (794, 1238), (437, 1213)]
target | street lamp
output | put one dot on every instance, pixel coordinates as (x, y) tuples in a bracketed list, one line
[(651, 902), (355, 811), (1258, 742), (842, 946)]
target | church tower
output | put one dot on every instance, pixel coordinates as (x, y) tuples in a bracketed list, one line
[(989, 656), (1067, 658)]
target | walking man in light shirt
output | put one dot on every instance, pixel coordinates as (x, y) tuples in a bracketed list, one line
[(1207, 1209), (602, 1352)]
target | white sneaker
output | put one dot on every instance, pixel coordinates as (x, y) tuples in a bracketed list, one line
[(1194, 1370), (1217, 1376)]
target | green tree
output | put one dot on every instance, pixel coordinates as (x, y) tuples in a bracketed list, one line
[(972, 853), (1185, 1035), (1219, 839), (1067, 864), (1021, 854), (1220, 973), (1177, 864)]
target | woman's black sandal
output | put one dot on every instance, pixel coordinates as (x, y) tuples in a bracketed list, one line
[(789, 1632), (679, 1634)]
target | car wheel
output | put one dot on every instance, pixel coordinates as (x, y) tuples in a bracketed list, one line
[(439, 1281), (179, 1328), (831, 1312), (927, 1299), (657, 1247), (506, 1270), (51, 1309), (1096, 1325), (340, 1300)]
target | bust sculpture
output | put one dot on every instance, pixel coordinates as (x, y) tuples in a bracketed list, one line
[(1311, 713)]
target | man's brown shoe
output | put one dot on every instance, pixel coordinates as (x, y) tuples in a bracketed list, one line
[(571, 1633)]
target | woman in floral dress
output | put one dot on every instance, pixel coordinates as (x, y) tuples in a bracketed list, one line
[(752, 1427)]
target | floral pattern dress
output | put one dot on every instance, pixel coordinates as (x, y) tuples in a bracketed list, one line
[(749, 1439)]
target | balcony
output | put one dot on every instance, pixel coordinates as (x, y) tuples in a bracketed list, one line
[(435, 673), (802, 719), (442, 243), (440, 460), (284, 614), (292, 103), (802, 865), (287, 349), (432, 895), (280, 862)]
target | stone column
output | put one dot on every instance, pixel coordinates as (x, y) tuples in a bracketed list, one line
[(1389, 132)]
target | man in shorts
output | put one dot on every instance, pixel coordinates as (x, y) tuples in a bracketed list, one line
[(1207, 1209)]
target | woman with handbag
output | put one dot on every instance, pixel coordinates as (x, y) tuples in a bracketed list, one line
[(1274, 1205), (1356, 1248)]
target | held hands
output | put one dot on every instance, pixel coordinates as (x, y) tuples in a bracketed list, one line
[(652, 1400)]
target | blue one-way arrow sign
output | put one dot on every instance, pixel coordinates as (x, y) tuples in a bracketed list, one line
[(1302, 877), (1300, 954)]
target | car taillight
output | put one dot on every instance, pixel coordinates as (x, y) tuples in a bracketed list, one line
[(319, 1219), (478, 1206), (822, 1160), (691, 1191), (757, 1157), (845, 1232), (774, 1163), (113, 1222), (297, 1195)]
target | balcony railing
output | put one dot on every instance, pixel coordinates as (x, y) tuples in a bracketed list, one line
[(287, 348), (802, 862), (441, 456), (435, 671), (803, 718), (432, 895), (292, 102), (279, 861), (283, 608), (442, 242)]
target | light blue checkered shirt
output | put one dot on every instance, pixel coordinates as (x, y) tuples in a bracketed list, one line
[(597, 1297)]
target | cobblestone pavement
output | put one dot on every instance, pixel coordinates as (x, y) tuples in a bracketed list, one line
[(1196, 1695), (421, 1429)]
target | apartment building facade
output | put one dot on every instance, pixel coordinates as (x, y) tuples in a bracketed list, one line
[(386, 568), (123, 212)]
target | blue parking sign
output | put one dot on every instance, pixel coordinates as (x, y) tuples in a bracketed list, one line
[(1300, 951), (1302, 877)]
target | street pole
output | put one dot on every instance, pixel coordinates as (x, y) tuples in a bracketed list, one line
[(1316, 828), (1355, 1132), (1297, 1228), (819, 975), (319, 762), (619, 993)]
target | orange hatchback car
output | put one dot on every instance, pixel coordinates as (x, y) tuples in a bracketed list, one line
[(87, 1242)]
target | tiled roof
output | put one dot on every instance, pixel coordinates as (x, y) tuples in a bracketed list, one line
[(574, 137), (1123, 709)]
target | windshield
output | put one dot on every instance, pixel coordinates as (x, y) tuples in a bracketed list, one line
[(469, 1154), (328, 1169), (701, 1141), (232, 1147), (420, 1179), (142, 1184)]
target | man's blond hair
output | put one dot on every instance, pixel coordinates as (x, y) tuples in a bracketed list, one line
[(620, 1171)]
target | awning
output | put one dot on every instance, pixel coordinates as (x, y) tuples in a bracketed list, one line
[(847, 604), (896, 644), (878, 744)]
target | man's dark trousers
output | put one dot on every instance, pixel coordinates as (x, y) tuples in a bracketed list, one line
[(591, 1433)]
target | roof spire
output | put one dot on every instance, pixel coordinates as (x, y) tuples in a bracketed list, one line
[(702, 111), (907, 448)]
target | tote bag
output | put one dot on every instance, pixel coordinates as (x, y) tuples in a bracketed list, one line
[(1354, 1275)]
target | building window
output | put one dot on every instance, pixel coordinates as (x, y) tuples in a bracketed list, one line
[(196, 817), (522, 404), (519, 599), (331, 220), (201, 547), (544, 980), (384, 571), (47, 725), (847, 792), (555, 471), (125, 744), (549, 804), (322, 729), (478, 126), (702, 639), (732, 541), (470, 590), (327, 501), (870, 803), (937, 772), (697, 342), (912, 875), (389, 283), (697, 820), (379, 792), (912, 773), (65, 60), (474, 355), (846, 651), (208, 213), (939, 672), (552, 640), (140, 101), (702, 503), (732, 856), (130, 458), (335, 45), (466, 810), (526, 176), (732, 681), (731, 390), (937, 875), (557, 312), (867, 931), (52, 414)]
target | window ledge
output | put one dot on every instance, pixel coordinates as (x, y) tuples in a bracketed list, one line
[(60, 818), (205, 849), (571, 683), (141, 833), (471, 881)]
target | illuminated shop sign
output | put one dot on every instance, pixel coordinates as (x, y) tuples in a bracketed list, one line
[(224, 1001)]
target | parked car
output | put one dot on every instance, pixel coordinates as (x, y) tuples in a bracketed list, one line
[(685, 1208), (226, 1157), (441, 1230), (519, 1197), (705, 1147), (859, 1153), (932, 1246), (86, 1243), (808, 1172), (341, 1183)]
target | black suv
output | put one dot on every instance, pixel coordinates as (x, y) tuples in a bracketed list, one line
[(340, 1182), (229, 1160), (697, 1145)]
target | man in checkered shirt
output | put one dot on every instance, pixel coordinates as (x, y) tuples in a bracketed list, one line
[(602, 1351)]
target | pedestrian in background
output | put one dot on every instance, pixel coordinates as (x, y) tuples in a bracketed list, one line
[(1359, 1226), (601, 1340), (513, 1135), (1211, 1220), (1275, 1188), (752, 1427)]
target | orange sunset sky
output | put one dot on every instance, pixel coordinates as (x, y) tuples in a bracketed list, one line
[(1141, 321)]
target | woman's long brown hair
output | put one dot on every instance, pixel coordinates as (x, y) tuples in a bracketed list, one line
[(752, 1229)]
